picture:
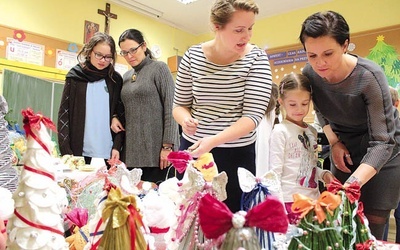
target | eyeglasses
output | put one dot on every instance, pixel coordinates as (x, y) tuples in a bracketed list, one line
[(131, 51), (100, 56)]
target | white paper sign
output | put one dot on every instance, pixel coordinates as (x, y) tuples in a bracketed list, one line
[(65, 59), (25, 52), (121, 68)]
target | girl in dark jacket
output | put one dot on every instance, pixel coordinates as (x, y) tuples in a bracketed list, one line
[(89, 101)]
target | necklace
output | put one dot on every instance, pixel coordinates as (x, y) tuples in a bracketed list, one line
[(134, 76)]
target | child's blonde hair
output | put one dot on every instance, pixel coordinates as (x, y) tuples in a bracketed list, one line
[(294, 81), (395, 96), (273, 99)]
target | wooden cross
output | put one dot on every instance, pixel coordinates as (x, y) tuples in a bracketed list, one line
[(107, 13)]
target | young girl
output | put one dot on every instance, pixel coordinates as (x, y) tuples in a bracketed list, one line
[(89, 103), (293, 144)]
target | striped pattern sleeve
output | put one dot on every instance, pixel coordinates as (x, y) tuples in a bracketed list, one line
[(219, 95)]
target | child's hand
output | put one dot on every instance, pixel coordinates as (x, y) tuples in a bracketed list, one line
[(328, 177)]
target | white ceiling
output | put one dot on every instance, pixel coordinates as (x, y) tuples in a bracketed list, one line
[(194, 17)]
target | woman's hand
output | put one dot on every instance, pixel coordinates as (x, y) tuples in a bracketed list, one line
[(164, 163), (202, 146), (115, 154), (189, 126), (116, 125), (340, 155)]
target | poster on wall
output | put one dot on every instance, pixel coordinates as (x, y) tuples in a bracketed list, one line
[(121, 68), (65, 60), (89, 30), (25, 52)]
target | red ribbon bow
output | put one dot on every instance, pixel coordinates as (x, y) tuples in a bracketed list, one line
[(365, 245), (32, 121), (360, 212), (352, 191), (216, 219)]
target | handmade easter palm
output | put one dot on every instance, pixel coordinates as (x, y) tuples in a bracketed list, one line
[(187, 231), (37, 222), (201, 177), (354, 225), (217, 220), (84, 193), (318, 225), (117, 223), (158, 216), (255, 191)]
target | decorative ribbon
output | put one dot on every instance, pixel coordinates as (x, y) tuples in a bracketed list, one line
[(78, 216), (35, 225), (248, 181), (83, 235), (33, 121), (37, 171), (352, 191), (215, 218), (96, 232), (360, 211), (180, 160), (364, 246), (157, 230), (3, 230), (303, 204), (190, 209), (123, 209)]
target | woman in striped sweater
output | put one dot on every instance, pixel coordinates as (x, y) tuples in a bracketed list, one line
[(222, 90)]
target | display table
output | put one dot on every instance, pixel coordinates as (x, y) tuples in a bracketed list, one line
[(76, 175), (388, 245)]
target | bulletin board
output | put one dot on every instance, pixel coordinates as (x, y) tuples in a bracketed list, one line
[(288, 59), (50, 45), (56, 53)]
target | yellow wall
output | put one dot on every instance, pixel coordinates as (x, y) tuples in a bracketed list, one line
[(64, 19), (362, 15)]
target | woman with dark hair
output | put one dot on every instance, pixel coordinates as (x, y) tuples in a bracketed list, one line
[(352, 99), (147, 94), (89, 101)]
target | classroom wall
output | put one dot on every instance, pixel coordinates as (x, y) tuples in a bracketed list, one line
[(362, 15), (64, 19)]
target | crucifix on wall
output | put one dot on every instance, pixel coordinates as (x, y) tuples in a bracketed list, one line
[(107, 13)]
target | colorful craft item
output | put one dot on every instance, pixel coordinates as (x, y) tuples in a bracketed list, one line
[(304, 205), (216, 219), (180, 160), (352, 191), (207, 166), (124, 223), (72, 47), (40, 203), (19, 35)]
